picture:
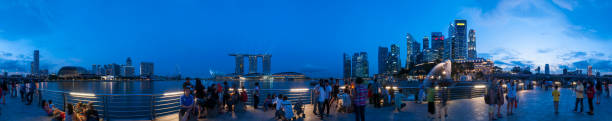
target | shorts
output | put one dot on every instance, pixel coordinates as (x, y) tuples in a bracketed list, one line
[(491, 107)]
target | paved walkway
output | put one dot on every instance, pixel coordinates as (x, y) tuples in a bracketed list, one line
[(15, 110), (533, 105)]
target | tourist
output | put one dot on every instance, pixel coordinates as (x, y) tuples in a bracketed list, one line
[(70, 114), (336, 90), (328, 99), (91, 114), (376, 93), (243, 99), (599, 91), (315, 97), (556, 94), (256, 95), (491, 99), (278, 102), (212, 101), (287, 108), (220, 97), (500, 98), (22, 91), (346, 100), (431, 106), (579, 96), (187, 107), (30, 94), (267, 102), (13, 89), (200, 94), (590, 94), (39, 93), (511, 97), (48, 110), (187, 83), (226, 96), (359, 99), (421, 94), (443, 100), (322, 93), (398, 101), (607, 89), (5, 91)]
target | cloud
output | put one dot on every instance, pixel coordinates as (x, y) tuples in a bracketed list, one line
[(534, 33), (566, 4)]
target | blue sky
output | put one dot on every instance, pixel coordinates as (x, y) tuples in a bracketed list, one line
[(310, 36)]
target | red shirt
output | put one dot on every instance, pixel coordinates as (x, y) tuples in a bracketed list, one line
[(590, 92)]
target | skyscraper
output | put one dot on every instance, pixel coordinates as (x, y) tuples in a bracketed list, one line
[(128, 70), (460, 39), (410, 49), (546, 69), (383, 55), (252, 64), (437, 45), (425, 42), (416, 47), (267, 64), (472, 44), (147, 69), (448, 43), (360, 65), (347, 65), (35, 63), (94, 69), (394, 64)]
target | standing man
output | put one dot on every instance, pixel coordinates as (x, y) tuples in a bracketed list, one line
[(256, 95), (491, 99), (511, 97), (431, 105), (359, 99), (328, 91), (579, 96), (590, 94), (321, 100)]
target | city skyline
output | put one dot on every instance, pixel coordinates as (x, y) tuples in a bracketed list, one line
[(182, 34)]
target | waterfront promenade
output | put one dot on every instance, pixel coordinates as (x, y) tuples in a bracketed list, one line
[(533, 105)]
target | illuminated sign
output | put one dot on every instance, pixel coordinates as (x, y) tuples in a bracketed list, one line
[(460, 24)]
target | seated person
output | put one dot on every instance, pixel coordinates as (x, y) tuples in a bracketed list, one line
[(398, 101), (267, 102), (287, 108), (187, 106), (346, 100), (91, 114), (47, 108)]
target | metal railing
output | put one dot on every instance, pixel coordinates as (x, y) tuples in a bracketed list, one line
[(148, 106)]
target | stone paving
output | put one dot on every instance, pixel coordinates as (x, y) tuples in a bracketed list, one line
[(534, 105)]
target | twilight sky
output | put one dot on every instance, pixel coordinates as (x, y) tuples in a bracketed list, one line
[(194, 37)]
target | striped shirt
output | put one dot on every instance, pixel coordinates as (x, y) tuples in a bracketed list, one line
[(361, 93)]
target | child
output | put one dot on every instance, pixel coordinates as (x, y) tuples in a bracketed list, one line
[(556, 94), (278, 103), (287, 108), (267, 102)]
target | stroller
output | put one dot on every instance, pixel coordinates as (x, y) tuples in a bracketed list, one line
[(298, 108)]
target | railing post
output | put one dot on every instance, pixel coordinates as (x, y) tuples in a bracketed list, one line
[(152, 107), (106, 117), (65, 103)]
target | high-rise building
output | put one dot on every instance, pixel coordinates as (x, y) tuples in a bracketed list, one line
[(347, 65), (410, 49), (94, 69), (426, 42), (383, 55), (460, 39), (147, 69), (437, 45), (252, 64), (448, 43), (35, 63), (394, 63), (128, 70), (267, 63), (546, 69), (417, 50), (360, 65), (472, 45), (239, 64)]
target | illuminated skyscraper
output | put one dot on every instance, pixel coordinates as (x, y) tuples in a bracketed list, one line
[(35, 63), (394, 64), (437, 45), (459, 40), (425, 42), (546, 69), (472, 44), (410, 49), (146, 69), (266, 63), (360, 65), (347, 65), (128, 70), (383, 55), (448, 43)]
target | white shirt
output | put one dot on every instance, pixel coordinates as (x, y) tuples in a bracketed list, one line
[(322, 95)]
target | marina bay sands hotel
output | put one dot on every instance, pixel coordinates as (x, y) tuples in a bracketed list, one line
[(265, 58)]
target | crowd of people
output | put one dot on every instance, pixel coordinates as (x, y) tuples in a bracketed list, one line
[(26, 91), (199, 101)]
